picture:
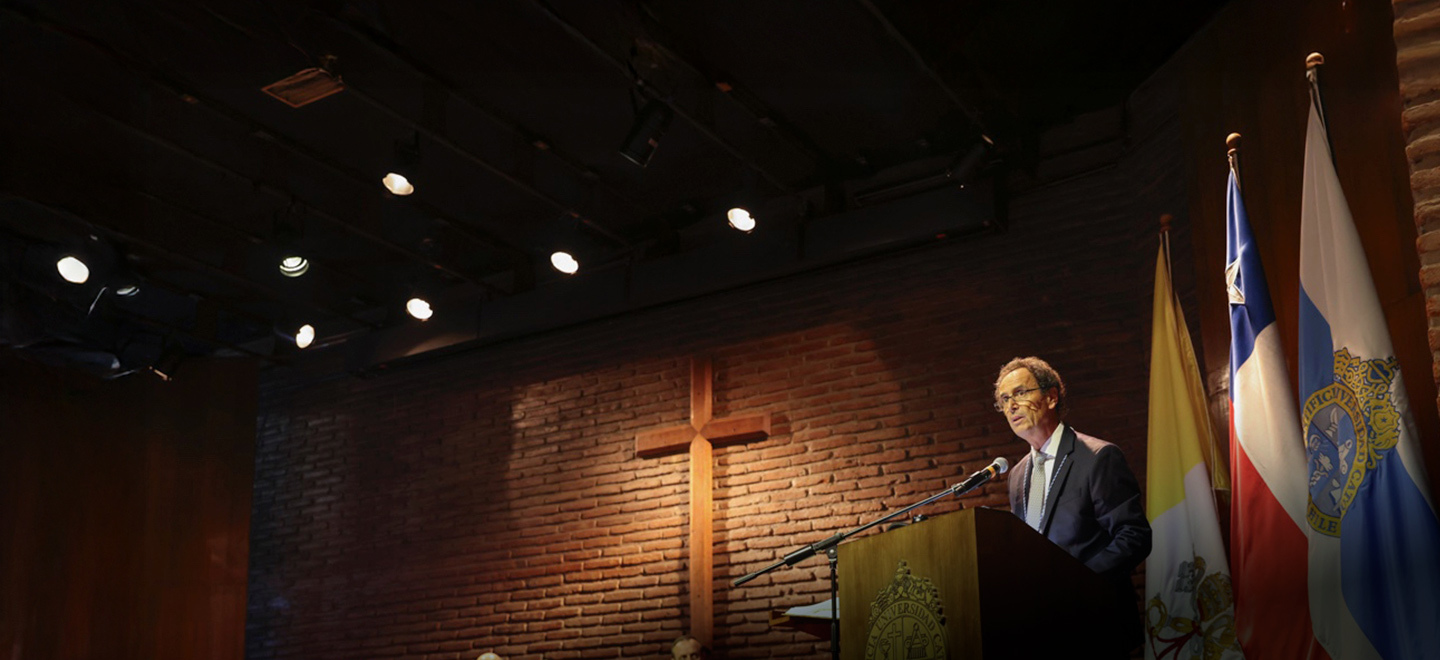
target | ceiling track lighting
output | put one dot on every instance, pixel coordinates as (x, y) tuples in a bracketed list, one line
[(645, 133), (564, 262), (419, 308), (397, 184), (72, 269), (740, 219), (402, 168), (572, 240), (294, 265), (288, 232), (305, 336), (95, 268)]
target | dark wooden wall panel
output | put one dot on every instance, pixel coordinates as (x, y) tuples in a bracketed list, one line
[(125, 512)]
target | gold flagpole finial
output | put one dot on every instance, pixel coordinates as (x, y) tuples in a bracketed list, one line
[(1313, 60), (1232, 153)]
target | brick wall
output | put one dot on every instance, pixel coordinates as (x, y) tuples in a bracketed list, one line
[(1417, 43), (493, 501)]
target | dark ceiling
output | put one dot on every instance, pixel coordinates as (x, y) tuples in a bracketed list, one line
[(138, 135)]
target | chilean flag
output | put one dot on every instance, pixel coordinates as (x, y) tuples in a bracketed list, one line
[(1267, 462)]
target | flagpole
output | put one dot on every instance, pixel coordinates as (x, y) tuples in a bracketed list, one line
[(1232, 153), (1165, 220), (1313, 61)]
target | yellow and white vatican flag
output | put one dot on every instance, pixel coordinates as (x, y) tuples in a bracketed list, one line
[(1189, 611)]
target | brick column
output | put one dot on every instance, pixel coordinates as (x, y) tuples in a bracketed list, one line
[(1417, 45)]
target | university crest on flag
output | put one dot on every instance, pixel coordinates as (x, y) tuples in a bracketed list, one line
[(1342, 446)]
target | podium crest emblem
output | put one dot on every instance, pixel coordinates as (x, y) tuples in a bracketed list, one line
[(1349, 425), (907, 620)]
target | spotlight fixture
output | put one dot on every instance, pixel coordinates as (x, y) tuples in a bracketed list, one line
[(564, 262), (288, 232), (645, 133), (73, 269), (402, 167), (305, 336), (294, 265), (397, 184), (741, 219), (419, 308)]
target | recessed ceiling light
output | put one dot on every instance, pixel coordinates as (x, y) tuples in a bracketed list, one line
[(73, 270), (564, 262), (294, 265)]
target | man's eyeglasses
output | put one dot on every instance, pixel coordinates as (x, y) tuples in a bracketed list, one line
[(1003, 401)]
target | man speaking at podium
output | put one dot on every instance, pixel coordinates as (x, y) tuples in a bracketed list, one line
[(1074, 489)]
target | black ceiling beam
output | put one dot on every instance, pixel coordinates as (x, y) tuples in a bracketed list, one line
[(497, 171), (215, 343), (166, 83), (758, 110), (531, 138), (287, 197), (434, 136), (690, 117), (921, 63)]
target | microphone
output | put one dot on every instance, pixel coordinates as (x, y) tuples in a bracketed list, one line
[(999, 466)]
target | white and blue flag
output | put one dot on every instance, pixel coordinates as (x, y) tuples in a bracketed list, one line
[(1374, 536)]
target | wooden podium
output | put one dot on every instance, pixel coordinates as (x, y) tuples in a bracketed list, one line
[(1002, 591)]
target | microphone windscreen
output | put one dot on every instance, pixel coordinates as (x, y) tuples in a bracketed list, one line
[(1001, 465)]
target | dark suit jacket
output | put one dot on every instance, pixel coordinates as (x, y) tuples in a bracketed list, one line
[(1094, 509)]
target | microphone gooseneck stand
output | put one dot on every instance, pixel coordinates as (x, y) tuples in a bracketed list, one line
[(830, 547)]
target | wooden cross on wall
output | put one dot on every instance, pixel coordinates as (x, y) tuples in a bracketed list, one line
[(699, 437)]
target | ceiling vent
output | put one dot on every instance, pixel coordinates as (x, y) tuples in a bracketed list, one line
[(306, 87)]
